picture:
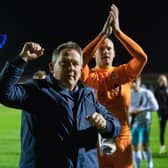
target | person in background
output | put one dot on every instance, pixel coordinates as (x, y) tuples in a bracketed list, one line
[(68, 118), (113, 83), (143, 102), (40, 74), (161, 93)]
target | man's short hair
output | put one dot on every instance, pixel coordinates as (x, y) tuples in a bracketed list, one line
[(67, 45)]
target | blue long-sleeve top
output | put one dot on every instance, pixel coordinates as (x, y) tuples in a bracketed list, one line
[(63, 135)]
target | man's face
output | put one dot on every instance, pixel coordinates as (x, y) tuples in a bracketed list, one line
[(67, 68), (105, 54), (162, 80)]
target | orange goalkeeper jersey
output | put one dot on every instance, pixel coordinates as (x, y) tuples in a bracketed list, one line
[(112, 85)]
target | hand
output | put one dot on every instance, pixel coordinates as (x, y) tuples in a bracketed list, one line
[(31, 51), (97, 120), (107, 28), (115, 14), (134, 111)]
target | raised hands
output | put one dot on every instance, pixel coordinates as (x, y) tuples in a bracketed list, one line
[(112, 22), (31, 51), (107, 28), (114, 12)]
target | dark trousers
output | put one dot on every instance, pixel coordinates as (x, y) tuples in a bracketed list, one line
[(162, 124)]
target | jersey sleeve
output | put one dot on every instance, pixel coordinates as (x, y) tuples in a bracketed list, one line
[(139, 57), (88, 53)]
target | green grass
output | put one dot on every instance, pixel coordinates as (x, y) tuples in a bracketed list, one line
[(10, 139), (160, 160)]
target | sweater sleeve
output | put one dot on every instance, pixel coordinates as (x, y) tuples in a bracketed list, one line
[(11, 93)]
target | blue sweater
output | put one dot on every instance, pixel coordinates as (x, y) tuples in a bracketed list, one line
[(55, 132)]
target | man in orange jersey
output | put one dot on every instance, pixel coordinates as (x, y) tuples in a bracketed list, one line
[(112, 84)]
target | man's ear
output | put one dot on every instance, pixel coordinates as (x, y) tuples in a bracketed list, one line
[(51, 67)]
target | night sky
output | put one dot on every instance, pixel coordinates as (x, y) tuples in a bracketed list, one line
[(51, 23)]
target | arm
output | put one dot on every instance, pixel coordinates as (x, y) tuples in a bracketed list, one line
[(149, 104), (139, 57), (90, 49), (88, 53), (152, 104), (11, 93)]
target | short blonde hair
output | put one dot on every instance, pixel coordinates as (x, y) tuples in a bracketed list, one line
[(163, 78)]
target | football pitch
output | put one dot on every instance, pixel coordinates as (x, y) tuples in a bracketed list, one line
[(10, 139)]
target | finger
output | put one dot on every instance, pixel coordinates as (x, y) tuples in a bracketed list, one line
[(112, 5), (115, 10), (91, 120), (112, 13), (97, 119), (109, 31), (110, 19), (115, 7), (31, 47), (40, 52), (37, 47)]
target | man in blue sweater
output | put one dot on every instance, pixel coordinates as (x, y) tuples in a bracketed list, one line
[(66, 115)]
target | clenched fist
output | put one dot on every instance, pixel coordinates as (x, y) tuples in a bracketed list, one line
[(31, 51), (97, 120)]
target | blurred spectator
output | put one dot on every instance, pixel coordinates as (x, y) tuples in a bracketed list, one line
[(40, 74), (161, 93), (143, 102)]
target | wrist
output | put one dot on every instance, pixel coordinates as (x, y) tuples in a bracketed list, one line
[(103, 34), (116, 32), (24, 58)]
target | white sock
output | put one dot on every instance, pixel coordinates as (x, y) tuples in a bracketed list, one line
[(163, 147), (148, 157), (137, 157)]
